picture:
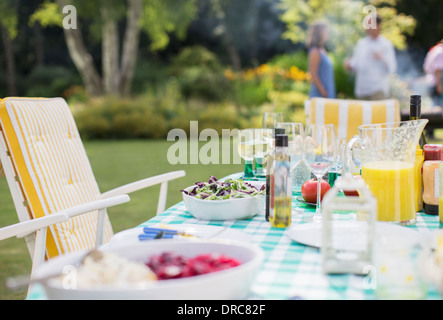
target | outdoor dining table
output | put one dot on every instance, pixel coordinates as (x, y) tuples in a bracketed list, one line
[(290, 270)]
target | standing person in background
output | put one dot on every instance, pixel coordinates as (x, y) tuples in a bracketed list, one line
[(433, 66), (373, 61), (320, 65)]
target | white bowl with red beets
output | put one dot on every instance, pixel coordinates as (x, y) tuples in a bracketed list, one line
[(229, 284)]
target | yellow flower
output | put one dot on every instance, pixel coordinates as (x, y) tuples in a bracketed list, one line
[(229, 74)]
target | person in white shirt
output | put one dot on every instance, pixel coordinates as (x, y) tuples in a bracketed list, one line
[(373, 60)]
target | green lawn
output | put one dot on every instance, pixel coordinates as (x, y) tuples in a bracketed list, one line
[(114, 163)]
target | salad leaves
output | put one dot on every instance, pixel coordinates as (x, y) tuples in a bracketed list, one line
[(221, 190)]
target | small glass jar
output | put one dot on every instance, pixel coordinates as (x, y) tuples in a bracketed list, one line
[(440, 206), (431, 183), (348, 227)]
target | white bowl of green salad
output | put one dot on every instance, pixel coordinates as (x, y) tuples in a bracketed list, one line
[(230, 199)]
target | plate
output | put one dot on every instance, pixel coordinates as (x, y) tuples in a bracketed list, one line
[(310, 234), (200, 231), (300, 199)]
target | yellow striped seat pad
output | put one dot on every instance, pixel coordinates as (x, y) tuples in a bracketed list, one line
[(53, 168), (348, 115)]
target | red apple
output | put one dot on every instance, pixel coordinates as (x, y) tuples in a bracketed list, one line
[(309, 190), (352, 193)]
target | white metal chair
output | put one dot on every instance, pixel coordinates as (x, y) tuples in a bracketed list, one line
[(57, 199)]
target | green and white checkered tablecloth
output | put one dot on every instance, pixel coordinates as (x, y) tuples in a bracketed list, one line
[(292, 270)]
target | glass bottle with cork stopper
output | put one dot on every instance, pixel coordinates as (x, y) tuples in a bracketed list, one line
[(269, 171), (281, 185)]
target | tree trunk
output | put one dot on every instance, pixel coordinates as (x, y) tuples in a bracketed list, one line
[(10, 63), (82, 59), (110, 51), (130, 46), (39, 45)]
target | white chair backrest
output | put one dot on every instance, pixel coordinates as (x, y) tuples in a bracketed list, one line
[(348, 115)]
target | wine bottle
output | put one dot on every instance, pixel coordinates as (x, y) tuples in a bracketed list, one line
[(415, 114)]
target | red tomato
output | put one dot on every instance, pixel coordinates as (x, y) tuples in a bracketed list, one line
[(309, 190)]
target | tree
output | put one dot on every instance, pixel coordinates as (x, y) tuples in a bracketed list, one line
[(8, 29), (157, 18)]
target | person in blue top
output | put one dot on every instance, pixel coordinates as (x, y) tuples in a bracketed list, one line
[(320, 65)]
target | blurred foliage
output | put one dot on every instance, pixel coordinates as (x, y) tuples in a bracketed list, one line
[(9, 18), (50, 81), (47, 14), (161, 18), (199, 73), (345, 19), (195, 87), (153, 114)]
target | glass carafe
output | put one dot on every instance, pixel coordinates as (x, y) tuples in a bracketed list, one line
[(386, 155)]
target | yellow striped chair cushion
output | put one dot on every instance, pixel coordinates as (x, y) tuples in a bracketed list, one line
[(53, 168), (348, 115)]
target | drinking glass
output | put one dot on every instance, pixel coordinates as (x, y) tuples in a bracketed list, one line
[(246, 150), (319, 152), (262, 145), (253, 143)]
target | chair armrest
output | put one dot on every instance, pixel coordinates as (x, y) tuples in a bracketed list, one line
[(80, 209), (28, 227), (96, 205), (144, 183)]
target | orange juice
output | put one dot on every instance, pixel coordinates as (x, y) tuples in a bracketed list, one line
[(392, 183)]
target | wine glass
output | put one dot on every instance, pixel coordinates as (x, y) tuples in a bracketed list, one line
[(246, 150), (270, 120), (294, 131), (319, 153)]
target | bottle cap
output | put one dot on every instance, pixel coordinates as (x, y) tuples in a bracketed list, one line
[(281, 140), (277, 131), (433, 151), (415, 99), (430, 208), (415, 106)]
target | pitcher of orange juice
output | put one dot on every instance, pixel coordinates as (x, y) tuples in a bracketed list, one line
[(386, 156)]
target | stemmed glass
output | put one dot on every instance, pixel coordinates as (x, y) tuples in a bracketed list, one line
[(319, 153), (295, 133), (270, 120)]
